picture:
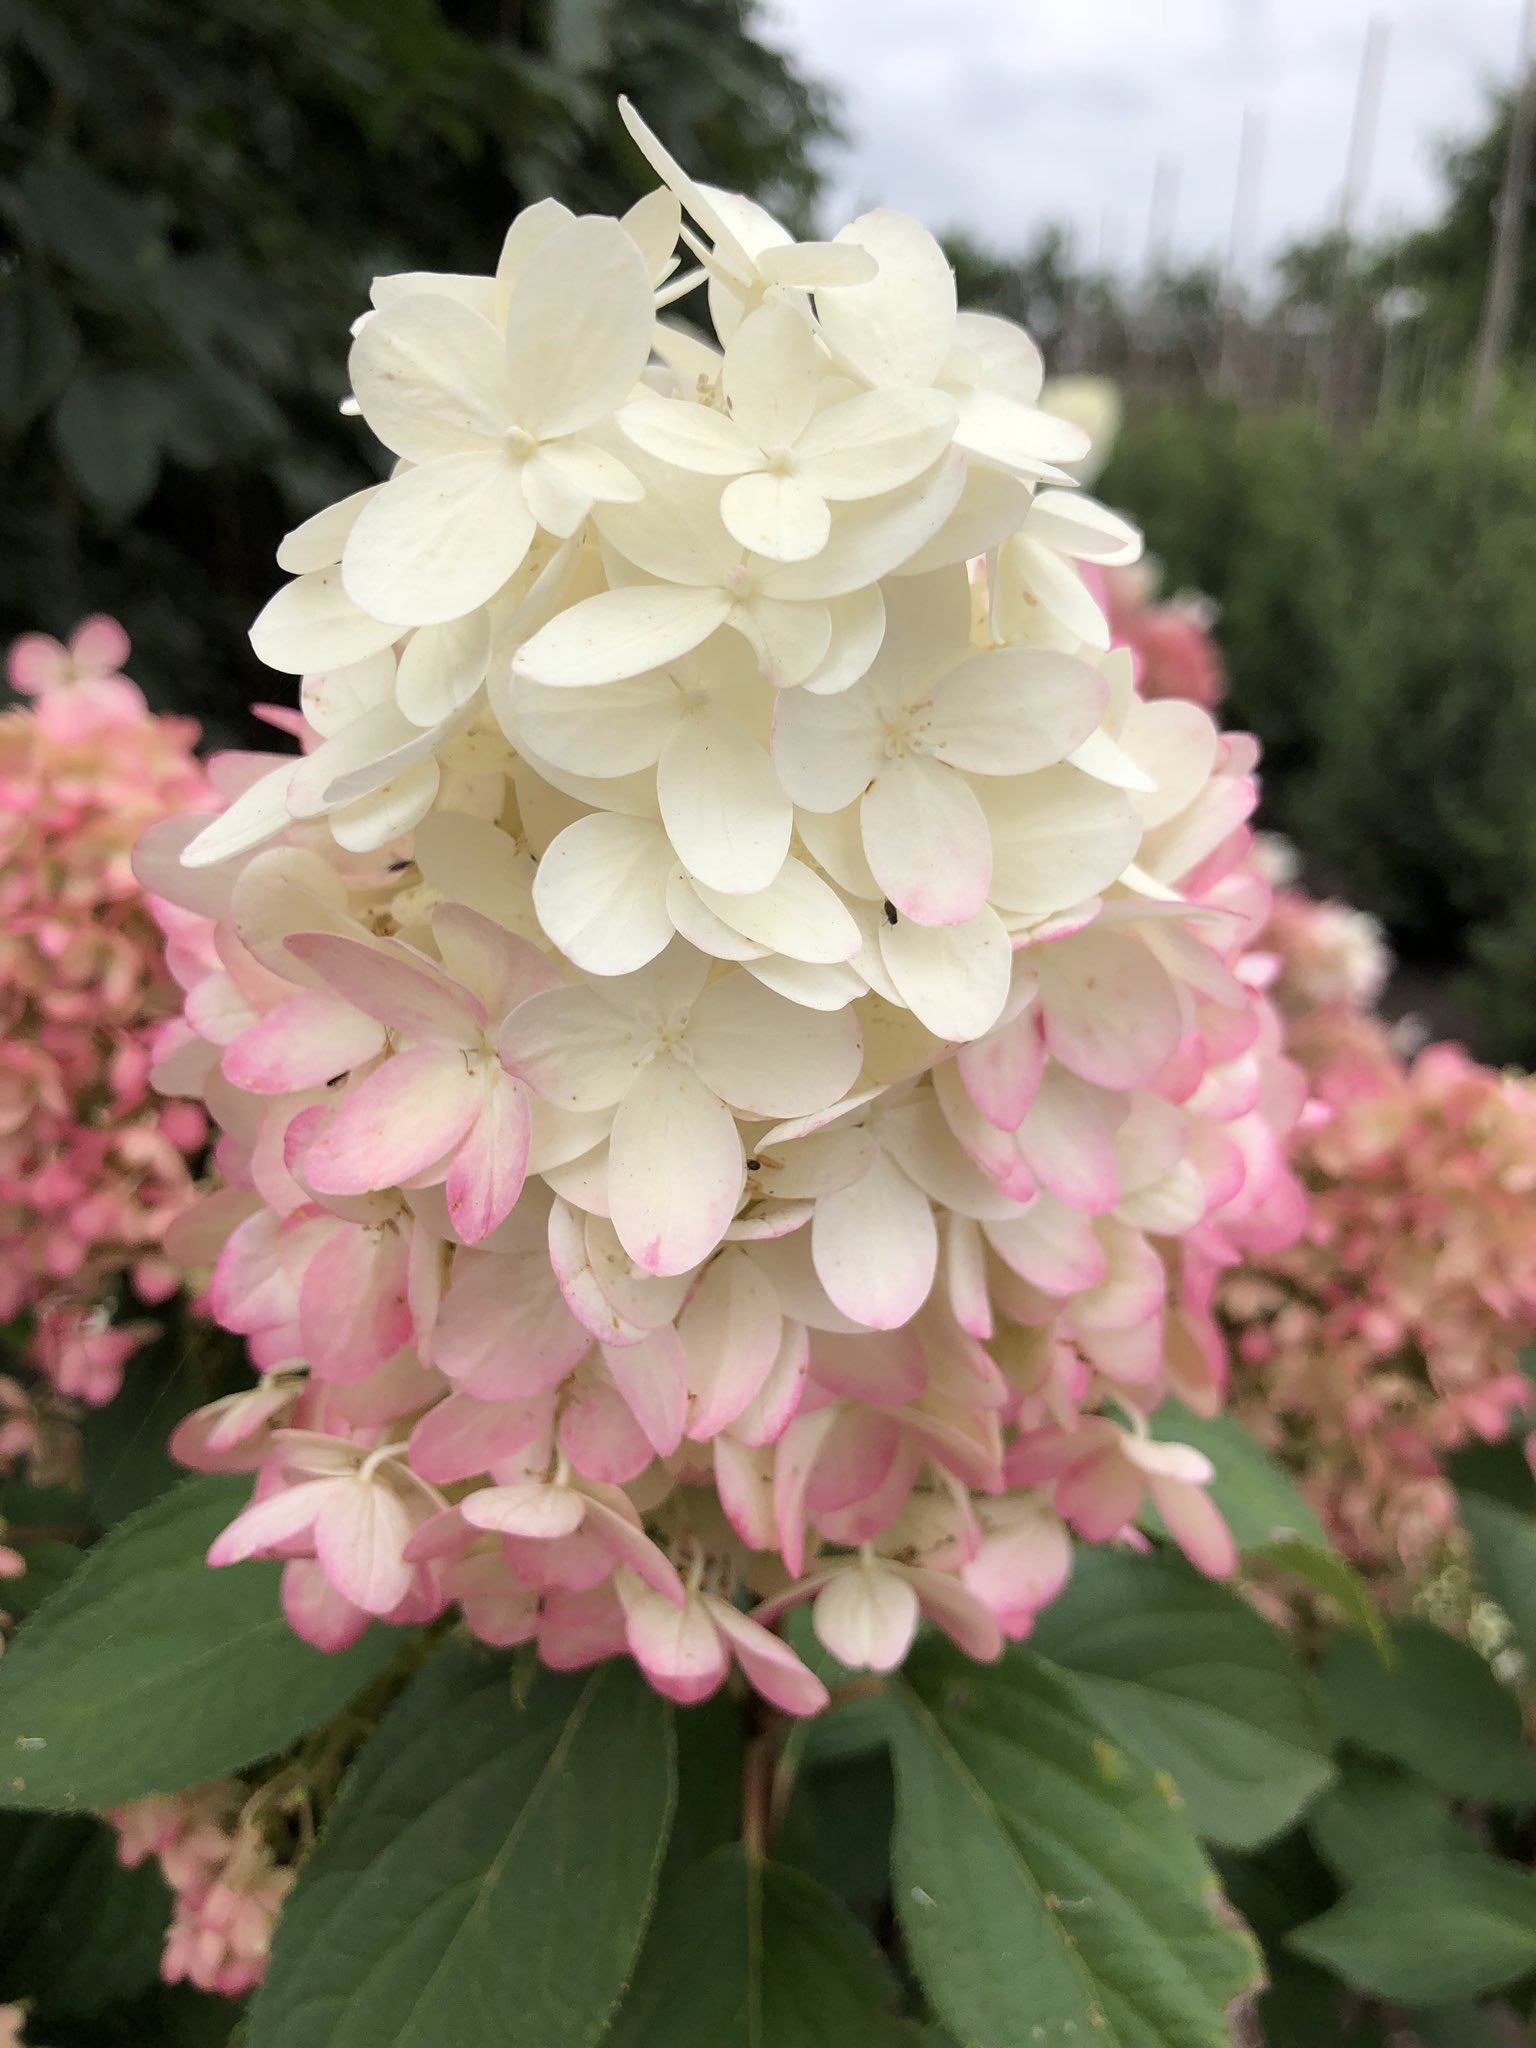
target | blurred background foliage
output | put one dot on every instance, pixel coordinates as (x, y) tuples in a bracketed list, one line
[(194, 199)]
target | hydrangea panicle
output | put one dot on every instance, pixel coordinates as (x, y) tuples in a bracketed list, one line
[(735, 1071)]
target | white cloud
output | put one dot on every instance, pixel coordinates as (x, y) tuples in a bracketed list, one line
[(1003, 115)]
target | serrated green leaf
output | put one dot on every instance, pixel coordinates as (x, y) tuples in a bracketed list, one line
[(1504, 1543), (1046, 1882), (1375, 1815), (1438, 1710), (1429, 1929), (77, 1931), (1190, 1674), (147, 1672), (751, 1955), (38, 349), (1334, 1577), (49, 1564), (487, 1872), (1255, 1496)]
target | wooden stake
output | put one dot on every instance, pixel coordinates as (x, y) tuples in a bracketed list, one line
[(1509, 225)]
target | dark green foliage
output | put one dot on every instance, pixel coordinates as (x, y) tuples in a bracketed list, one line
[(146, 1672), (198, 197), (1377, 617)]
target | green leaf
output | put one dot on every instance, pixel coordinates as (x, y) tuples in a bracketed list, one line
[(1187, 1672), (77, 1931), (837, 1829), (1429, 1929), (1504, 1543), (38, 350), (1438, 1710), (1045, 1881), (487, 1872), (147, 1672), (1457, 2026), (1259, 1502), (108, 428), (1374, 1816), (49, 1564), (1336, 1579), (751, 1955), (100, 231)]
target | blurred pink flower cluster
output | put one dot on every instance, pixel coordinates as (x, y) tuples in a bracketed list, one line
[(226, 1886), (1170, 639), (92, 1168), (1388, 1335)]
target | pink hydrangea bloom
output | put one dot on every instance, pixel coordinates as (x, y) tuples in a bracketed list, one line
[(1170, 639), (227, 1887), (1388, 1334), (92, 1168), (735, 1066)]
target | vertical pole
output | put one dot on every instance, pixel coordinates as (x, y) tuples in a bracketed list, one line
[(1504, 265), (1357, 172), (1245, 212)]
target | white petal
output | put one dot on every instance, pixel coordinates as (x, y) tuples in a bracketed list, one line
[(790, 640), (1015, 709), (1055, 584), (874, 442), (874, 537), (898, 328), (318, 542), (698, 924), (1017, 437), (954, 979), (728, 819), (431, 379), (808, 266), (875, 1246), (620, 633), (731, 1330), (312, 624), (1080, 526), (609, 729), (990, 507), (1058, 838), (764, 1056), (572, 1048), (777, 516), (926, 839), (652, 224), (442, 667), (600, 892), (256, 815), (811, 987), (387, 812), (771, 372), (828, 749), (858, 628), (578, 327), (798, 915), (689, 436), (675, 1169), (439, 540)]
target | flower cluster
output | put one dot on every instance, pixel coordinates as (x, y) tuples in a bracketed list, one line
[(734, 1082), (1389, 1335), (91, 1170), (225, 1883)]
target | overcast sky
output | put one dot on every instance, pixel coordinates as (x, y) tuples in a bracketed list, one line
[(1002, 115)]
